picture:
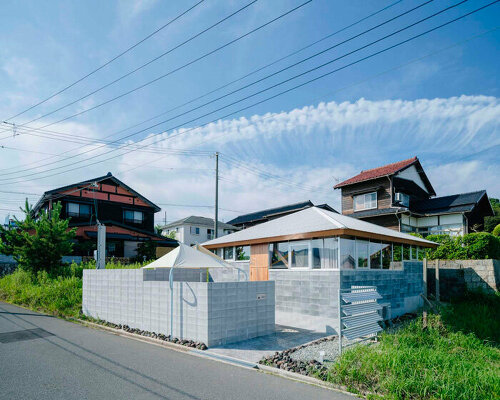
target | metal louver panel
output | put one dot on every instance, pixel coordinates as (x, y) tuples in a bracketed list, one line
[(365, 330), (360, 296), (363, 319), (351, 309)]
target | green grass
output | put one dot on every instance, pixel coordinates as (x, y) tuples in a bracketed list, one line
[(60, 295), (456, 357)]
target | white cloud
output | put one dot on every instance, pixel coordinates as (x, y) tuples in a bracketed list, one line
[(310, 147)]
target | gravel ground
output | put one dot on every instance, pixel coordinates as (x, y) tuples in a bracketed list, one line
[(311, 352)]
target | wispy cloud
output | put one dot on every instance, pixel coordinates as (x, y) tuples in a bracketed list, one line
[(302, 153)]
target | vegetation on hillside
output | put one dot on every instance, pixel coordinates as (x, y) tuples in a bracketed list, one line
[(473, 246)]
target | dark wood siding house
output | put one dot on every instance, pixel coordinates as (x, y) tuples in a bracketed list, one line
[(128, 216), (400, 196)]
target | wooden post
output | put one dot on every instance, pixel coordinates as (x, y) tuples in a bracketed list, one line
[(437, 280), (424, 276)]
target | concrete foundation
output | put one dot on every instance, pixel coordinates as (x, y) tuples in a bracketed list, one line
[(214, 313)]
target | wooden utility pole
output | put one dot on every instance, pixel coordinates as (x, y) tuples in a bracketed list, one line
[(216, 223)]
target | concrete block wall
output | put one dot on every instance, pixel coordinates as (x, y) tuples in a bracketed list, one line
[(400, 288), (456, 276), (307, 299), (213, 313)]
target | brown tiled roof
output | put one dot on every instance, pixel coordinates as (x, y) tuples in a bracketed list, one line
[(373, 173)]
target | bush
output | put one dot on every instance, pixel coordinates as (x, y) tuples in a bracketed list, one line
[(473, 246), (496, 231)]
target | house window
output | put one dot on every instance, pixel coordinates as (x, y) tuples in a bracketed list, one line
[(362, 253), (135, 217), (299, 254), (228, 253), (278, 255), (210, 234), (242, 253), (78, 210), (330, 253), (194, 230), (365, 201)]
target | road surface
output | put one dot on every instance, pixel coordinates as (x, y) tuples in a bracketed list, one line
[(42, 357)]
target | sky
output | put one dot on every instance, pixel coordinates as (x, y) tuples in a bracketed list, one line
[(435, 97)]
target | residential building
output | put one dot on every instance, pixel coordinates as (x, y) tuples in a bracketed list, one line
[(128, 215), (400, 196), (194, 229), (312, 253), (258, 217)]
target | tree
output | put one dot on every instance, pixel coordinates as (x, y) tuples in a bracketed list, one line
[(38, 244), (491, 222), (172, 235)]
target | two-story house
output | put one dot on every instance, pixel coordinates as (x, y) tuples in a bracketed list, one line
[(400, 196), (193, 229), (128, 216)]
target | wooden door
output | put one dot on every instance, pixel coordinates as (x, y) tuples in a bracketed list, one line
[(259, 262)]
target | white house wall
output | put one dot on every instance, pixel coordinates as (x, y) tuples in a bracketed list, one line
[(412, 175)]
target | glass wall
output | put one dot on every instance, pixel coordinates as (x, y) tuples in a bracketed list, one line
[(362, 253), (347, 253), (386, 255), (316, 253), (242, 253), (278, 255), (228, 253), (375, 255), (299, 254), (330, 254)]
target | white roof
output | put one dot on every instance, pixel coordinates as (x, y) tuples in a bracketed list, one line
[(186, 257), (309, 220)]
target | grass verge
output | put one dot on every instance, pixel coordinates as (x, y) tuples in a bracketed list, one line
[(456, 357)]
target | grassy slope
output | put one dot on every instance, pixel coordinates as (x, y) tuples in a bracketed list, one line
[(457, 357)]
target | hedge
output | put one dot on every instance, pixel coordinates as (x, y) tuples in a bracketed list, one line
[(473, 246)]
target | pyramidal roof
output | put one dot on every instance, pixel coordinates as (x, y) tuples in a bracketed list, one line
[(312, 219)]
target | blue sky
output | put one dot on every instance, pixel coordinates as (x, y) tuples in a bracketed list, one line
[(435, 97)]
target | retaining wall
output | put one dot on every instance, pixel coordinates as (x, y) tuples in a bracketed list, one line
[(456, 276), (214, 313)]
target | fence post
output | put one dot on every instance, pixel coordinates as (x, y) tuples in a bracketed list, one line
[(424, 276), (437, 280)]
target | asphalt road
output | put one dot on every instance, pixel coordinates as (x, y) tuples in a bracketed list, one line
[(47, 358)]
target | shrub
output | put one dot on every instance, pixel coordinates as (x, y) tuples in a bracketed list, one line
[(496, 231), (473, 246)]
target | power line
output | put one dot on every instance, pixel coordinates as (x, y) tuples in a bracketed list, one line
[(240, 78), (275, 73), (109, 61), (283, 92), (174, 70), (143, 65)]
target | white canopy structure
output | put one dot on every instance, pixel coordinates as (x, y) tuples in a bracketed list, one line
[(187, 257)]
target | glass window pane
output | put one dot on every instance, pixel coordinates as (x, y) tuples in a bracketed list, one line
[(73, 209), (278, 255), (330, 253), (362, 253), (421, 253), (406, 252), (375, 255), (386, 255), (316, 252), (359, 202), (398, 252), (347, 253), (242, 253), (138, 216), (299, 254), (85, 209), (129, 215), (228, 253)]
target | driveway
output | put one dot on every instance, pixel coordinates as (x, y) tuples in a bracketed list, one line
[(43, 357)]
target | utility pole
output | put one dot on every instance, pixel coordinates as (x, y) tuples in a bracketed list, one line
[(216, 195)]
